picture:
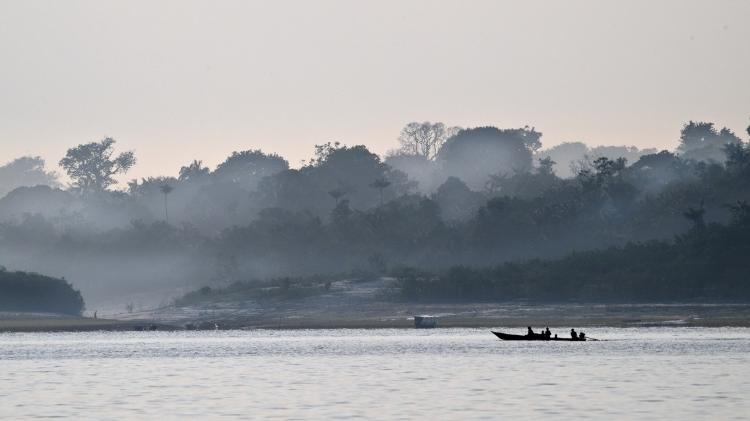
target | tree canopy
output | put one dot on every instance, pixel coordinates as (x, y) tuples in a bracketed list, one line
[(701, 141), (21, 291), (91, 166), (491, 196), (473, 154), (424, 139)]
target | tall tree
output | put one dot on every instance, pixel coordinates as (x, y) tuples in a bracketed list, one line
[(424, 139), (380, 184), (193, 171), (247, 168), (165, 190), (701, 141), (92, 167), (473, 154)]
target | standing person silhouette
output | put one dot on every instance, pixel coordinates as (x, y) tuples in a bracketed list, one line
[(573, 334)]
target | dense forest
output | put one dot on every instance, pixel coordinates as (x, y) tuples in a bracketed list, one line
[(24, 292), (447, 197), (708, 263)]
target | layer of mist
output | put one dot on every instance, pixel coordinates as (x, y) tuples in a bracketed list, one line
[(447, 196)]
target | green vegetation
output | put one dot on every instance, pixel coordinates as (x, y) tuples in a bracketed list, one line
[(709, 263), (448, 198), (31, 292), (281, 289)]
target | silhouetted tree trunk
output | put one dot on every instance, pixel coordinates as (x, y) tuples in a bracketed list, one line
[(380, 184), (166, 189)]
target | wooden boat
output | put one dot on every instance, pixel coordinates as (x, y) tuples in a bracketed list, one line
[(536, 337)]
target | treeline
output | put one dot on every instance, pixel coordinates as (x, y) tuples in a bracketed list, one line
[(31, 292), (448, 196), (708, 263), (286, 288)]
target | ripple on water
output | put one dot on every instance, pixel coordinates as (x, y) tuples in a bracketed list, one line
[(671, 373)]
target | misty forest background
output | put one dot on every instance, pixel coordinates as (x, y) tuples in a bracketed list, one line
[(454, 214)]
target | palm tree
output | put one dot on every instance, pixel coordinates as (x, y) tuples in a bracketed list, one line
[(380, 184), (166, 189)]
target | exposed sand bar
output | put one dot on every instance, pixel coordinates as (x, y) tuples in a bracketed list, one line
[(487, 315), (287, 315), (302, 315), (35, 322)]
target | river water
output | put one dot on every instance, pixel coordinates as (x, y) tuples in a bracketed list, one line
[(644, 373)]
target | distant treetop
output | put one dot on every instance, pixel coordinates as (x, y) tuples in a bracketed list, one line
[(92, 167)]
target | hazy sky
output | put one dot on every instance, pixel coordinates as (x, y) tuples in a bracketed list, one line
[(179, 80)]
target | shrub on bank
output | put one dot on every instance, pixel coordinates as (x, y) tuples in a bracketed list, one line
[(32, 292)]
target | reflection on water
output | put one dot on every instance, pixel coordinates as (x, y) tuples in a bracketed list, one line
[(657, 373)]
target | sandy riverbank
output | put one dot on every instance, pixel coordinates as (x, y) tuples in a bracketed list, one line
[(514, 316), (301, 315), (390, 315), (371, 304), (365, 305), (49, 322)]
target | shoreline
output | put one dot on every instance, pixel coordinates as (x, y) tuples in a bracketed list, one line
[(32, 326), (364, 315), (74, 324), (291, 316)]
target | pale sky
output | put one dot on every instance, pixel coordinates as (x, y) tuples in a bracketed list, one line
[(182, 80)]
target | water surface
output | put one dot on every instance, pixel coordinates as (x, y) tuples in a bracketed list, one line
[(645, 373)]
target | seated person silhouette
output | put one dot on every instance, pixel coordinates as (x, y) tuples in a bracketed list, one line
[(573, 334)]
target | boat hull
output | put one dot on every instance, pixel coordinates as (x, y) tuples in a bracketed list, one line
[(509, 337)]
